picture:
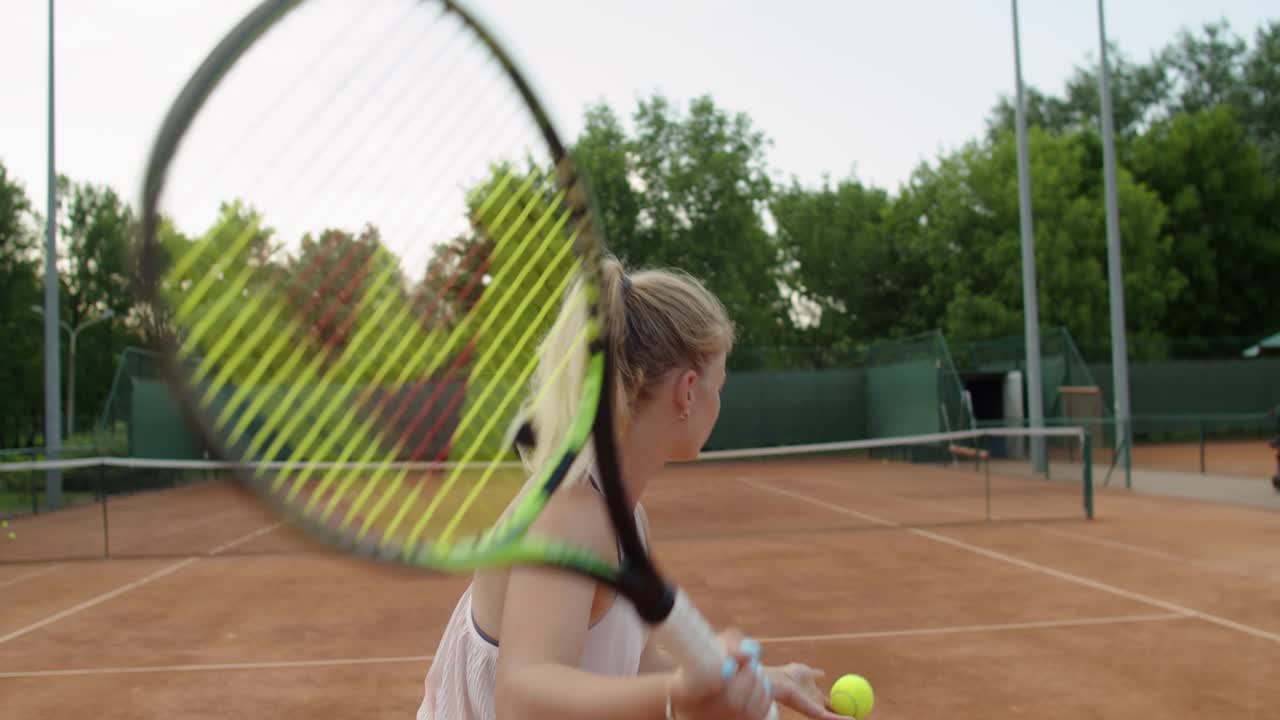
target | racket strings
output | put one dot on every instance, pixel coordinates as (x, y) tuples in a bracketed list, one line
[(348, 360), (249, 127), (497, 403)]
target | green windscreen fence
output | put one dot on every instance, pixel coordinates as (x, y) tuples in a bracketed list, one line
[(1061, 364), (913, 387), (1198, 387), (156, 426), (141, 418), (764, 409), (906, 386), (902, 399)]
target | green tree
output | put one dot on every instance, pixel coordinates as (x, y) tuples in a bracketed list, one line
[(967, 212), (607, 155), (1139, 94), (1262, 96), (339, 280), (21, 362), (96, 233), (689, 190), (849, 259), (1206, 69), (1221, 217), (209, 281)]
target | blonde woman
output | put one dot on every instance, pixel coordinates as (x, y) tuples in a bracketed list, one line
[(534, 643)]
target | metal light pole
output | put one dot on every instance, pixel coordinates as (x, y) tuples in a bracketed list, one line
[(1115, 276), (1030, 305), (52, 424), (71, 362)]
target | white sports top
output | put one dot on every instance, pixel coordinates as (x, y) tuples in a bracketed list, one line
[(460, 684)]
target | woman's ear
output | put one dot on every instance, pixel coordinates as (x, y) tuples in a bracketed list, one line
[(684, 392)]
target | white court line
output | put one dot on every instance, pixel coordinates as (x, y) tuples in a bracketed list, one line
[(167, 570), (211, 520), (287, 664), (1035, 567), (1119, 545), (245, 538), (955, 629), (812, 501), (930, 504), (208, 667), (119, 547), (28, 576)]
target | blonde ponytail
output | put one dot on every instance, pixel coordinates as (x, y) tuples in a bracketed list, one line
[(659, 320)]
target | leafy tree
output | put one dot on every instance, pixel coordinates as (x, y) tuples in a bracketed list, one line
[(966, 212), (1262, 96), (1206, 70), (96, 234), (690, 190), (1222, 220), (1139, 95), (847, 260), (21, 362)]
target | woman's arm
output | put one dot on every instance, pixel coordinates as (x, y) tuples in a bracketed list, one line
[(545, 619), (548, 690), (655, 660)]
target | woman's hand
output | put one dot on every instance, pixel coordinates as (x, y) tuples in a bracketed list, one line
[(743, 695), (795, 685)]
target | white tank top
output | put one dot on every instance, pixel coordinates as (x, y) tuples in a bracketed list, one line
[(460, 685)]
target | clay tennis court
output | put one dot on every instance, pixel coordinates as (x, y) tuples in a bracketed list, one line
[(209, 607)]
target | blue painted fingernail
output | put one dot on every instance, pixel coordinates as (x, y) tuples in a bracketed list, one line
[(766, 685), (726, 672), (749, 647)]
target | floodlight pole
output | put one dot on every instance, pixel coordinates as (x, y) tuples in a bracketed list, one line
[(52, 418), (1119, 343), (1030, 305)]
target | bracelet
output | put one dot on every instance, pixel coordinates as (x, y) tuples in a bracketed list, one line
[(669, 715)]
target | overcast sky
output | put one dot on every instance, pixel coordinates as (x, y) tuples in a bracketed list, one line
[(839, 86)]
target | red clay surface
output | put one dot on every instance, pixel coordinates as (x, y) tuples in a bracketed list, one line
[(1159, 607)]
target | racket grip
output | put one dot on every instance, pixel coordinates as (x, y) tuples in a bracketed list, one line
[(694, 645)]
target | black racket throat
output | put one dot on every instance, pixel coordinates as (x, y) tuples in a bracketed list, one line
[(638, 580)]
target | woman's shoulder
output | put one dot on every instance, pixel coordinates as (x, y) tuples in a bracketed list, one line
[(576, 514)]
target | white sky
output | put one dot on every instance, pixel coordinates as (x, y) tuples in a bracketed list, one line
[(837, 85)]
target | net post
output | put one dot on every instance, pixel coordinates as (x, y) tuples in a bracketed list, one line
[(1087, 452), (1200, 423), (1128, 454), (986, 464), (31, 490), (102, 490)]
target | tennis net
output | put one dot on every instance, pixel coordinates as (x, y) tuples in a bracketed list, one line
[(133, 507), (951, 478)]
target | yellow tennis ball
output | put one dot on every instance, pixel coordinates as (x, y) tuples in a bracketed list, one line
[(13, 535), (851, 695)]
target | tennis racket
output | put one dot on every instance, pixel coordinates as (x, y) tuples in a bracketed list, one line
[(360, 233)]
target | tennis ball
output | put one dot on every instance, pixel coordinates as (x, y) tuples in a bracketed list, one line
[(851, 695), (13, 535)]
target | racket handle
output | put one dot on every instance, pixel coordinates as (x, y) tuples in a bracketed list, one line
[(694, 645)]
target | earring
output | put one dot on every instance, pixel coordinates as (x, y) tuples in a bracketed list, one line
[(684, 415)]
